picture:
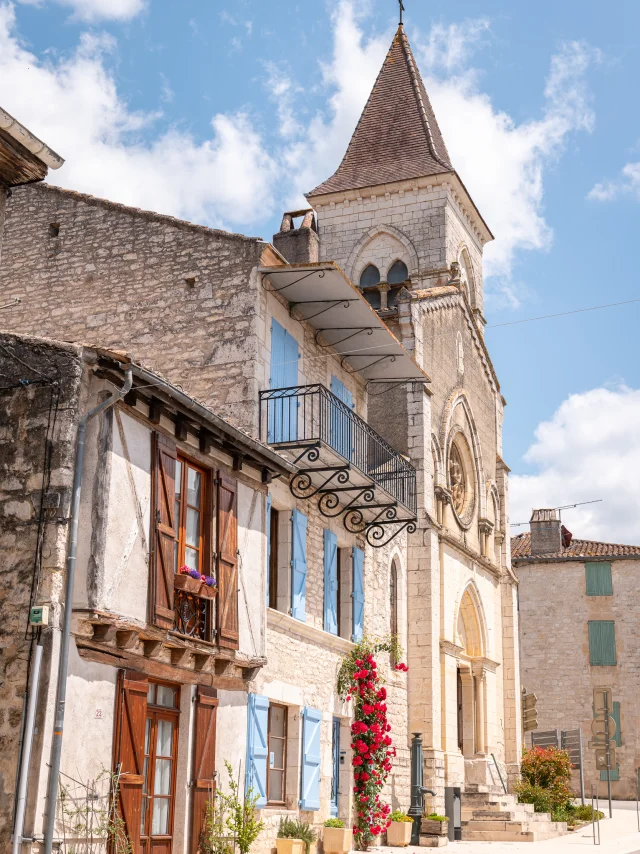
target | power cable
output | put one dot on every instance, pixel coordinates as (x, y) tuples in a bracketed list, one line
[(561, 314)]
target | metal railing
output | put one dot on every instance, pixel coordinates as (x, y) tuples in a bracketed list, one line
[(304, 415)]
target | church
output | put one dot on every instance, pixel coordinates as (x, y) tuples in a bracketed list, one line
[(368, 307)]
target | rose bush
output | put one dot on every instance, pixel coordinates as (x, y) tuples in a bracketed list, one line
[(373, 751), (546, 778)]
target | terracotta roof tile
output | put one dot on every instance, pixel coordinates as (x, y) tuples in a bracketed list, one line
[(521, 550), (397, 137)]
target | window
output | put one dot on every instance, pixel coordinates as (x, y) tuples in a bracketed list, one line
[(457, 479), (370, 276), (602, 643), (398, 273), (274, 523), (189, 495), (598, 578), (277, 765), (393, 603), (160, 755)]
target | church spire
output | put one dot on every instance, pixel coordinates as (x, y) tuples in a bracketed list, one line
[(397, 137)]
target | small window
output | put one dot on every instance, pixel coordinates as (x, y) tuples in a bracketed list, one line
[(189, 516), (277, 760), (598, 578), (602, 643), (370, 276), (393, 603), (54, 229), (398, 273), (273, 558)]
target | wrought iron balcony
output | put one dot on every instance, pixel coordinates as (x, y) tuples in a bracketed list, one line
[(342, 460)]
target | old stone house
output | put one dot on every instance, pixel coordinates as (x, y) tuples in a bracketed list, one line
[(579, 625), (383, 398)]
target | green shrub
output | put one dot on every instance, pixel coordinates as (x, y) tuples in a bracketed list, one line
[(583, 812), (546, 775), (290, 829), (435, 817), (334, 822), (398, 815)]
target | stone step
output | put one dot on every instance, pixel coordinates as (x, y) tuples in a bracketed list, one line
[(515, 814), (507, 835)]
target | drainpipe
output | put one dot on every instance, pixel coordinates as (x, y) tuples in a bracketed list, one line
[(63, 667)]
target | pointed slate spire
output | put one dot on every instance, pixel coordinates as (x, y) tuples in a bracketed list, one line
[(397, 137)]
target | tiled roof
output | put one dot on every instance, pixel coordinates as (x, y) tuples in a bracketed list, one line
[(397, 137), (578, 549)]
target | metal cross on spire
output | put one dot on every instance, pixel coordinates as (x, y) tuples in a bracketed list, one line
[(401, 9)]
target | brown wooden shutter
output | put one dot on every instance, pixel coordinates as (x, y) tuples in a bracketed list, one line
[(227, 561), (131, 714), (165, 532), (204, 756)]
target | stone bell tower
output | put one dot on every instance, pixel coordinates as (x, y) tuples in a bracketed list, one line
[(396, 196)]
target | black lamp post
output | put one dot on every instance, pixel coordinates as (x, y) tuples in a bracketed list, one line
[(418, 790)]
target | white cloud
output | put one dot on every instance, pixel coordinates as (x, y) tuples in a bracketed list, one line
[(112, 151), (589, 450), (94, 10), (628, 184)]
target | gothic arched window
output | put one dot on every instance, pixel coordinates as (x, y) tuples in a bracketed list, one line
[(398, 273), (370, 276)]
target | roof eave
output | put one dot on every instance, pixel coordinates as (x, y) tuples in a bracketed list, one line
[(29, 141)]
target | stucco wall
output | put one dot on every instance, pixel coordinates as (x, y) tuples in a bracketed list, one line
[(554, 656)]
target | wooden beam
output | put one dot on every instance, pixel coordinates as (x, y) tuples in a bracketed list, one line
[(180, 429), (152, 648), (156, 409), (104, 632), (125, 639), (180, 657)]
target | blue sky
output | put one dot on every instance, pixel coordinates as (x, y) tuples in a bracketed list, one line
[(225, 112)]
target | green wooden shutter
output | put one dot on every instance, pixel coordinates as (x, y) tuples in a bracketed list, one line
[(602, 643), (598, 576), (615, 774)]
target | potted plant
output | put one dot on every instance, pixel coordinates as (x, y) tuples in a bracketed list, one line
[(191, 581), (336, 838), (435, 825), (294, 837), (399, 831)]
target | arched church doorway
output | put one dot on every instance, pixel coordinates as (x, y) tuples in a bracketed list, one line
[(471, 693)]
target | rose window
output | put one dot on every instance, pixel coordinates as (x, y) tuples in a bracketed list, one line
[(457, 480)]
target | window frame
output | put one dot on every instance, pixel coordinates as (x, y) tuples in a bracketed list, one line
[(284, 739), (274, 557), (205, 510), (156, 713), (398, 262)]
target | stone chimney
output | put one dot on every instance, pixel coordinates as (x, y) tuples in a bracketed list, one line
[(298, 245), (546, 536)]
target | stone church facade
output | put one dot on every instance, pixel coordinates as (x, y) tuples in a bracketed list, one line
[(202, 309)]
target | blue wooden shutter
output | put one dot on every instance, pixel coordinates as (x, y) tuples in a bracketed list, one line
[(330, 582), (598, 578), (341, 428), (602, 643), (310, 798), (358, 594), (257, 747), (268, 568), (283, 411), (299, 566)]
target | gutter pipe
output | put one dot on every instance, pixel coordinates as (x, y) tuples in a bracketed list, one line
[(63, 666), (21, 803)]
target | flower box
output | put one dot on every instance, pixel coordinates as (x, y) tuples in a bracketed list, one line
[(399, 834), (337, 840), (290, 846), (193, 586), (434, 828)]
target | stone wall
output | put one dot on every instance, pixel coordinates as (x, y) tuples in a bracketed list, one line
[(554, 656), (181, 297), (37, 430)]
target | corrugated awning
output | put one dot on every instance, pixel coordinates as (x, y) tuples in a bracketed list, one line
[(321, 295)]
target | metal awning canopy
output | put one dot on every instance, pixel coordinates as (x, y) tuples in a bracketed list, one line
[(322, 296)]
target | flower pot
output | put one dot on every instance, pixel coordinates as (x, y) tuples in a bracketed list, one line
[(399, 834), (290, 846), (186, 583), (194, 586), (434, 828), (337, 840)]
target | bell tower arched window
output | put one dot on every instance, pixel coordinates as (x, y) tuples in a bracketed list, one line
[(370, 276), (398, 273)]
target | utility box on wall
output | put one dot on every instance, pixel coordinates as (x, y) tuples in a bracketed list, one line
[(453, 811)]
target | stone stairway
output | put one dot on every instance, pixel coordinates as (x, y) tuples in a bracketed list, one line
[(491, 817)]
